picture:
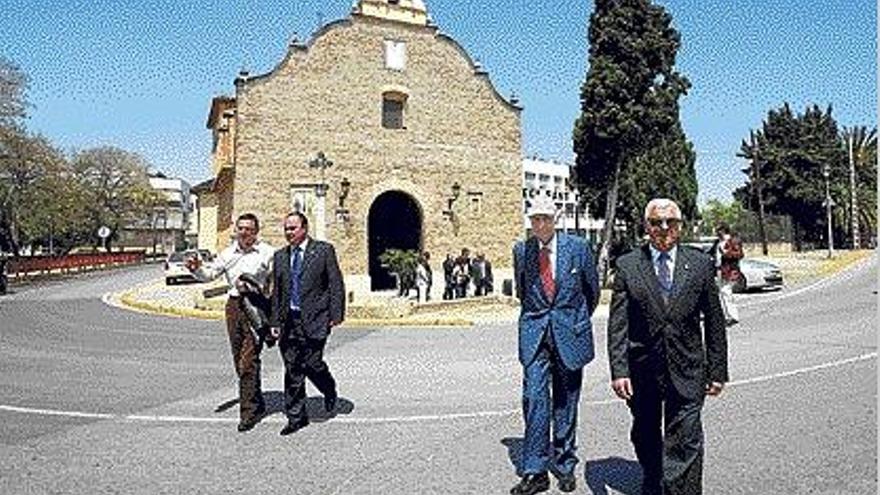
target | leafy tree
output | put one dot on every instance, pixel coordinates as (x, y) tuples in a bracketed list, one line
[(28, 166), (116, 187), (666, 170), (716, 212), (402, 262), (792, 152), (629, 100), (864, 176)]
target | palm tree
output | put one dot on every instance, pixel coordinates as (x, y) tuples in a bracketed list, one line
[(861, 146)]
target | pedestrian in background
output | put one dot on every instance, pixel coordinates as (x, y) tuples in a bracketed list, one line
[(663, 360), (558, 288), (448, 277), (423, 278), (481, 273), (728, 251), (247, 255), (308, 300)]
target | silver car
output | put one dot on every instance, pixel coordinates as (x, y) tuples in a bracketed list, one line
[(175, 268), (758, 274)]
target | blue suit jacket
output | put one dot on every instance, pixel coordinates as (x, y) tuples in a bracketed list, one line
[(567, 316)]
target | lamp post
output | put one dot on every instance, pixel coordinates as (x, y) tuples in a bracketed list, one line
[(828, 204)]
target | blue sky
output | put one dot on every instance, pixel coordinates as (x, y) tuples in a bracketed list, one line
[(141, 74)]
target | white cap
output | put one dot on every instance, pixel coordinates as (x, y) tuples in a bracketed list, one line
[(542, 204)]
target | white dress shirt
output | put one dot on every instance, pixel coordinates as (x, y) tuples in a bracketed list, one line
[(234, 261), (655, 255)]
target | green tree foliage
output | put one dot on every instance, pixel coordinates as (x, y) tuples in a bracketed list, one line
[(864, 147), (666, 170), (734, 215), (629, 102), (790, 153), (402, 262), (116, 187)]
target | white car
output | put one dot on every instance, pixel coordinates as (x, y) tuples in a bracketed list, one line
[(175, 269), (758, 274)]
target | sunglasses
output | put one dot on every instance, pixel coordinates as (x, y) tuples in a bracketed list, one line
[(666, 223)]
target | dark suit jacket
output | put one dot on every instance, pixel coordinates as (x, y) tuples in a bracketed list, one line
[(649, 338), (322, 297)]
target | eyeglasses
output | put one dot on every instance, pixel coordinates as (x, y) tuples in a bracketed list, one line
[(666, 223)]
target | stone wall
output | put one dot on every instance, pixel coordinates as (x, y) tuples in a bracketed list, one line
[(327, 97)]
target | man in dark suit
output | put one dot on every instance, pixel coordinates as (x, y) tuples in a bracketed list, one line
[(557, 285), (308, 299), (662, 364)]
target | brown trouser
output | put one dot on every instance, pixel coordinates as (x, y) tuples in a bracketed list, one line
[(246, 357)]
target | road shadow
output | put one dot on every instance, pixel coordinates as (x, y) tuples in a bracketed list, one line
[(314, 406), (622, 475)]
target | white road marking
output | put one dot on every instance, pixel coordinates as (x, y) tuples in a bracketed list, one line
[(401, 419)]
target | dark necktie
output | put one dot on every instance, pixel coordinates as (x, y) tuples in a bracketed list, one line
[(663, 275), (295, 277), (546, 272)]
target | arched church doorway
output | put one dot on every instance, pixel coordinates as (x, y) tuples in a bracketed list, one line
[(395, 222)]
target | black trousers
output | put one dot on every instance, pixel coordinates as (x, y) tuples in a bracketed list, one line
[(667, 433), (303, 357)]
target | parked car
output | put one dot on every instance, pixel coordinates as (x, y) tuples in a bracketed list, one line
[(754, 274), (175, 269), (758, 274)]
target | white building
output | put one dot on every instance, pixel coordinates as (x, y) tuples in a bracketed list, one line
[(165, 229), (551, 177)]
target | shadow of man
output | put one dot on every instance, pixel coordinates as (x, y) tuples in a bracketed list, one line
[(622, 475), (314, 406)]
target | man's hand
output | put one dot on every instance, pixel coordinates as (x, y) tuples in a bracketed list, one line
[(334, 323), (623, 388), (714, 388), (192, 263)]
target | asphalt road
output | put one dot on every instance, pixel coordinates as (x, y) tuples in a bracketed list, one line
[(96, 399)]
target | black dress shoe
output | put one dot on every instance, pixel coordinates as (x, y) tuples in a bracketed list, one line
[(567, 483), (247, 425), (294, 426), (531, 484), (330, 402)]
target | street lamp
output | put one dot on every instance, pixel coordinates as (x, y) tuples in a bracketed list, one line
[(828, 204)]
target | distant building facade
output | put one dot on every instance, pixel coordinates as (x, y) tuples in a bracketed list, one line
[(164, 229), (550, 177), (384, 132)]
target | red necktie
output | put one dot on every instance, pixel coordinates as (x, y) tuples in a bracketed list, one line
[(546, 273)]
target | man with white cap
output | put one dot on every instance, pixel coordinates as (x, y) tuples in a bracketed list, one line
[(558, 288)]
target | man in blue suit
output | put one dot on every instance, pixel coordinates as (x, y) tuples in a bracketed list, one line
[(557, 285)]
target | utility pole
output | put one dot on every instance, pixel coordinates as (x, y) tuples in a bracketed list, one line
[(853, 203), (756, 183), (828, 203)]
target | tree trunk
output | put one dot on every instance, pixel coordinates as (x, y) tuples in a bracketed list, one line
[(608, 229)]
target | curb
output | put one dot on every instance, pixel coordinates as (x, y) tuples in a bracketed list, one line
[(128, 300)]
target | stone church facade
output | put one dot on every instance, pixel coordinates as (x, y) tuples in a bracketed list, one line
[(385, 133)]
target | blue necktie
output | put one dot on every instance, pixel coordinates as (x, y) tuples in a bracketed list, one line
[(663, 275), (295, 277)]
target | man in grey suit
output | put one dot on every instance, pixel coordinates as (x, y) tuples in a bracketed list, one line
[(308, 299), (558, 289), (662, 364)]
